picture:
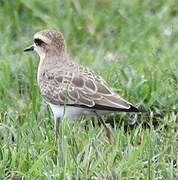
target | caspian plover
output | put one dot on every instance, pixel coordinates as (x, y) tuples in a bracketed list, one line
[(70, 89)]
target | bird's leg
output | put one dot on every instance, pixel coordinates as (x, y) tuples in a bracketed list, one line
[(108, 131), (57, 133)]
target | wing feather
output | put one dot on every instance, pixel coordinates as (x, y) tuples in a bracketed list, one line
[(80, 87)]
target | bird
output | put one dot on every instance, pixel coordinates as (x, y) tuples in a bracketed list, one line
[(70, 89)]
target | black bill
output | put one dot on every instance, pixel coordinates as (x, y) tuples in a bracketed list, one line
[(30, 48)]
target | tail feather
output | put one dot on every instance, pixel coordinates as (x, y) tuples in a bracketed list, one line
[(109, 108)]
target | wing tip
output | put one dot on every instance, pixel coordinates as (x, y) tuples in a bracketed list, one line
[(108, 108), (135, 109)]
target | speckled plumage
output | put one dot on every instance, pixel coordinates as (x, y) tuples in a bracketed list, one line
[(70, 89), (73, 84), (63, 82)]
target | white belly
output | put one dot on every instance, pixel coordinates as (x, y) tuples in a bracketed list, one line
[(71, 112), (68, 111)]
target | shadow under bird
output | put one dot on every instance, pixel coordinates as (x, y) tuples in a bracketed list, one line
[(70, 89)]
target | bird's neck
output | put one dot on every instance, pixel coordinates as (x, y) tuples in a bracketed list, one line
[(52, 58), (51, 61)]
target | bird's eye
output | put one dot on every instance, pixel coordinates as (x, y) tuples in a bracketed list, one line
[(38, 42)]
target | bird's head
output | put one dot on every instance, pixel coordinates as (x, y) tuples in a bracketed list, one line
[(47, 42)]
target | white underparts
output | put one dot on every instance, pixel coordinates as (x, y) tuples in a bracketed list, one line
[(71, 112), (65, 111)]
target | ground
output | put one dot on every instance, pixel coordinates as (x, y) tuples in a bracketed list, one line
[(134, 46)]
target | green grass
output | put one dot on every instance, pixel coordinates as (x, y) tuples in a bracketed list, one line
[(143, 38)]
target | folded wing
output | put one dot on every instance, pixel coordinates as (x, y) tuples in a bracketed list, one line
[(82, 89)]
